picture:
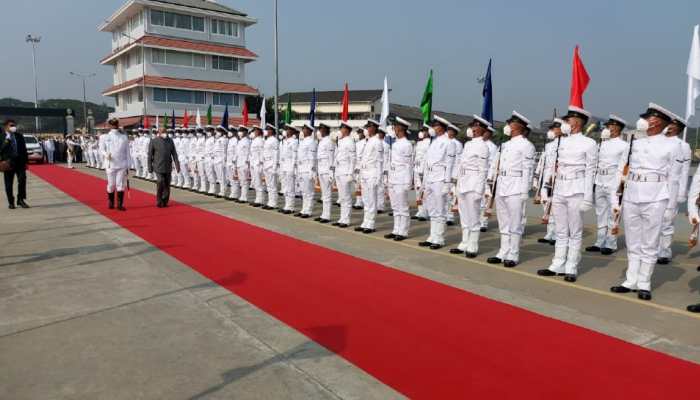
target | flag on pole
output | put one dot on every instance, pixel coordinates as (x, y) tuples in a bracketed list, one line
[(346, 104), (384, 117), (426, 104), (198, 119), (157, 124), (165, 120), (312, 111), (288, 111), (693, 76), (209, 116), (263, 115), (172, 124), (579, 81), (224, 119), (245, 112), (186, 120), (487, 94), (146, 122)]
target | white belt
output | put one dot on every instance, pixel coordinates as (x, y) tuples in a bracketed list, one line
[(515, 174), (441, 167), (463, 171), (608, 171), (576, 175), (646, 178)]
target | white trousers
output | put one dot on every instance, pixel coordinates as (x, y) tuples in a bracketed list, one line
[(666, 239), (202, 172), (289, 189), (449, 202), (434, 200), (358, 186), (70, 160), (470, 220), (381, 194), (194, 173), (185, 175), (421, 213), (551, 226), (271, 183), (398, 196), (344, 183), (211, 174), (116, 180), (569, 228), (307, 192), (643, 228), (482, 209), (509, 211), (231, 175), (604, 219), (369, 199), (256, 178), (244, 182), (220, 173), (326, 183)]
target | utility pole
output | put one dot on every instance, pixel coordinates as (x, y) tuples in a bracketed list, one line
[(84, 77), (277, 72), (34, 40)]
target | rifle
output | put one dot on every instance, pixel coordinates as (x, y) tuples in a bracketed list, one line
[(488, 211), (621, 190), (550, 186), (540, 180)]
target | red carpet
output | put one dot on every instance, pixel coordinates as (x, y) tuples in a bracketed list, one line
[(424, 339)]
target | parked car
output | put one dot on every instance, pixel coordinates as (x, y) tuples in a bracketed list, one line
[(34, 150)]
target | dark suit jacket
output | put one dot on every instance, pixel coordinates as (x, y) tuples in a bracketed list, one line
[(162, 155), (19, 162)]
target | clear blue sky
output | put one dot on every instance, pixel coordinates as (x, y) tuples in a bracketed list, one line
[(635, 51)]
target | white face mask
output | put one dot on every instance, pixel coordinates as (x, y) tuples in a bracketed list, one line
[(253, 135), (642, 125), (605, 134), (208, 133), (550, 134), (665, 131), (365, 134), (421, 135), (13, 129), (318, 135), (507, 130), (334, 136), (432, 132), (470, 133), (240, 135), (218, 134), (565, 128), (230, 135)]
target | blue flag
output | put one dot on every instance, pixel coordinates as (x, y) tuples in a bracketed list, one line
[(224, 119), (172, 124), (487, 93), (312, 113)]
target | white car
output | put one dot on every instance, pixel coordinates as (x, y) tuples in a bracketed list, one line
[(34, 150)]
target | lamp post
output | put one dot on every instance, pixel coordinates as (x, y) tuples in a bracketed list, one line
[(84, 77), (34, 40)]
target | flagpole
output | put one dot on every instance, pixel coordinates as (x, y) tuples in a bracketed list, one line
[(277, 72)]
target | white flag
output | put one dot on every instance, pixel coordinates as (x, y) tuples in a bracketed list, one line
[(263, 115), (385, 104), (693, 75), (157, 126), (198, 120)]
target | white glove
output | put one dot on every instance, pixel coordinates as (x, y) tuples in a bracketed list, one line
[(585, 206), (445, 188), (668, 214)]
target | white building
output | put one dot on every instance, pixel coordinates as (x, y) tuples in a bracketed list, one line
[(195, 55)]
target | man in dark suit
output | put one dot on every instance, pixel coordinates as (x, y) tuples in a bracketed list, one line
[(161, 157), (14, 150)]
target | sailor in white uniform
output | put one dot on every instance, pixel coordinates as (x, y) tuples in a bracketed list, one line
[(231, 165), (360, 142), (550, 153), (306, 170), (400, 179), (288, 161), (325, 157), (344, 162), (371, 169), (420, 149), (115, 150), (271, 154)]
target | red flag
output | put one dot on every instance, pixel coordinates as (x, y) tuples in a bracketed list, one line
[(579, 81), (186, 120), (245, 112), (146, 124), (346, 103)]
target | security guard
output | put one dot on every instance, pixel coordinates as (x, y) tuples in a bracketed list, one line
[(513, 167), (288, 160), (612, 150), (572, 174), (673, 132), (306, 170), (243, 162), (650, 195), (344, 169), (420, 150), (400, 178), (257, 145), (437, 165), (469, 177), (325, 156), (271, 154), (370, 172)]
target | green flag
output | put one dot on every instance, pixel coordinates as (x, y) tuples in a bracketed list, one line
[(165, 120), (209, 115), (426, 104), (288, 111)]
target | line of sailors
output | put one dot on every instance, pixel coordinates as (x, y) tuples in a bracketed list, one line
[(574, 175)]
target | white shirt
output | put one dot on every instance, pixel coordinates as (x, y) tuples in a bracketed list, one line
[(372, 158), (611, 152), (685, 158), (231, 151), (517, 161), (115, 150), (256, 151), (439, 160), (243, 152), (472, 167), (199, 147), (421, 149), (306, 155), (577, 159), (401, 164), (345, 157), (271, 152), (209, 146), (288, 154), (325, 155)]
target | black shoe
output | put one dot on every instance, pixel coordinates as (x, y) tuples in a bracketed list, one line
[(435, 246), (494, 260), (110, 200), (343, 225), (546, 272), (22, 204), (380, 211), (450, 223), (287, 212), (11, 206), (159, 205), (399, 238), (317, 219), (606, 252), (694, 308), (662, 260), (422, 219), (644, 295), (389, 236), (620, 289), (509, 264), (570, 278), (335, 223), (552, 242), (257, 205), (425, 244), (359, 229), (120, 201), (456, 251), (243, 201), (414, 217), (391, 214), (469, 255), (305, 216), (543, 240), (267, 208), (297, 214), (324, 221), (593, 249), (483, 229), (356, 208), (368, 231)]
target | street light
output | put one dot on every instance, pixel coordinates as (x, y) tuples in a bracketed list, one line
[(84, 77), (34, 40)]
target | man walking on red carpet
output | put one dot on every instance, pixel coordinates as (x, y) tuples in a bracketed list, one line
[(161, 157), (115, 152)]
